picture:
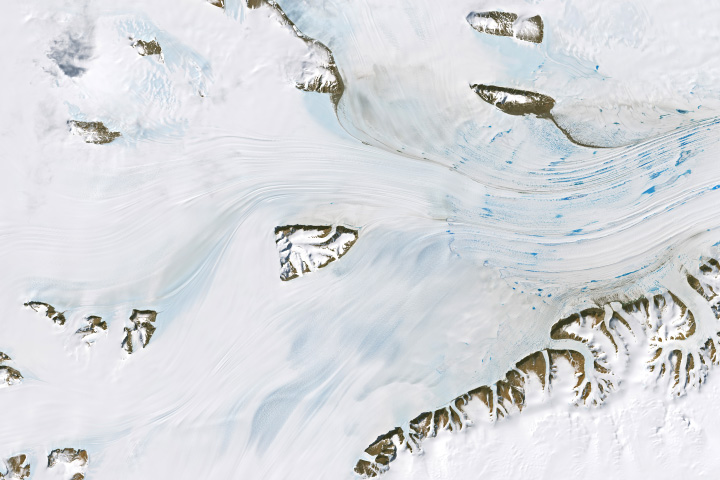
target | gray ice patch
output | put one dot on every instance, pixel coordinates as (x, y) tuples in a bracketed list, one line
[(70, 52)]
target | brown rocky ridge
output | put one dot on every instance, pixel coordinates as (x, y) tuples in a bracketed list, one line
[(8, 375), (507, 24), (16, 468), (150, 47), (141, 330), (48, 310), (332, 83), (92, 132), (306, 248), (94, 325), (677, 344), (74, 459), (518, 102)]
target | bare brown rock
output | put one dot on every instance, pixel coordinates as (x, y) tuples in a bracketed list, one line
[(16, 468), (141, 331), (48, 310), (92, 132)]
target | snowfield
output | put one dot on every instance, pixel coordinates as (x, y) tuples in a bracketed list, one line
[(326, 239)]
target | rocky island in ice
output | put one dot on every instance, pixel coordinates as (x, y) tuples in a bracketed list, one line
[(8, 375), (140, 332), (92, 328), (150, 47), (507, 24), (306, 248), (16, 468), (92, 132), (72, 462)]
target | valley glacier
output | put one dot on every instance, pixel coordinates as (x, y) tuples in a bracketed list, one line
[(323, 239)]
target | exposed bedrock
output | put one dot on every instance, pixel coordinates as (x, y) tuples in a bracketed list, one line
[(508, 24), (140, 332), (8, 375), (523, 102), (92, 132), (74, 461), (48, 310), (307, 248), (16, 468), (673, 332), (94, 325), (318, 71), (149, 47)]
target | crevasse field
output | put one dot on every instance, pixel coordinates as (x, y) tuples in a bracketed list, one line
[(335, 239)]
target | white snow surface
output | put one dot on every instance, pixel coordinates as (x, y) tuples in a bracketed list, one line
[(477, 231)]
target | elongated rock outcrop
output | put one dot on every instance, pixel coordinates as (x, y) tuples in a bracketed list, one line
[(319, 72), (48, 310), (518, 102), (508, 24)]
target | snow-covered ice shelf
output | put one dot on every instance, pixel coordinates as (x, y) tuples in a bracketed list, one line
[(340, 238)]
